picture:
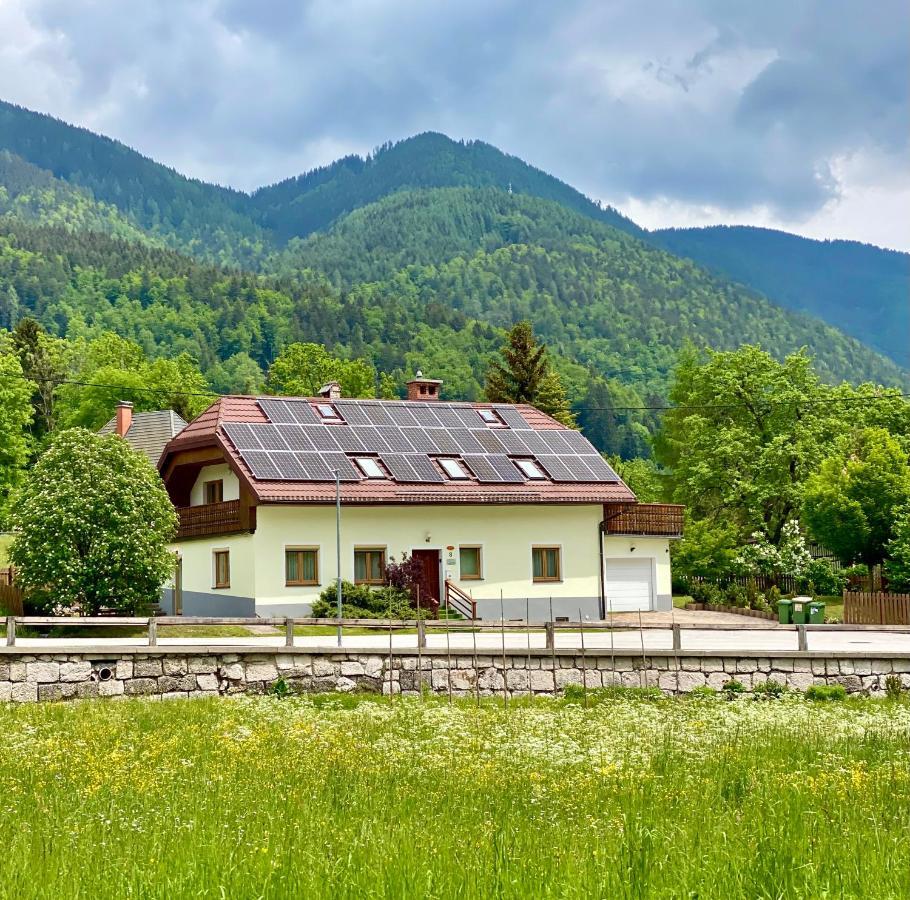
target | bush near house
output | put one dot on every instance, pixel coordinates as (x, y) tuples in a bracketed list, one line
[(359, 601)]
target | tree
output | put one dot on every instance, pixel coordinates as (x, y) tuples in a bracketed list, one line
[(746, 434), (897, 565), (301, 369), (15, 417), (43, 363), (789, 557), (643, 476), (525, 376), (853, 500), (92, 522), (706, 550)]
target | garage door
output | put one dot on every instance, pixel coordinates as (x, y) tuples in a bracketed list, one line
[(628, 584)]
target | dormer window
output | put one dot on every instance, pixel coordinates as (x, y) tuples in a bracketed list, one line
[(369, 467), (327, 412), (491, 417), (530, 469), (454, 469)]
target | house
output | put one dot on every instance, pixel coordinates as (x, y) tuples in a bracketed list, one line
[(147, 432), (500, 503)]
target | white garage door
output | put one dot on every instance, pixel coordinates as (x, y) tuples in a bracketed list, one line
[(628, 584)]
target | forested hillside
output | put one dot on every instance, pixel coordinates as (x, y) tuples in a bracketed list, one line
[(861, 289)]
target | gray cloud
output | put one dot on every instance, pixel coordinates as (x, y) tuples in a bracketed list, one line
[(732, 106)]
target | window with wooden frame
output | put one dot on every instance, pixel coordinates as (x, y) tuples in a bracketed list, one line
[(470, 563), (369, 565), (221, 565), (546, 563), (213, 491), (301, 566)]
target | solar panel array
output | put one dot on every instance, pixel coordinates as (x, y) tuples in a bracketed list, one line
[(296, 446)]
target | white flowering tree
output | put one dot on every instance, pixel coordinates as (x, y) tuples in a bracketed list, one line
[(789, 557), (92, 522)]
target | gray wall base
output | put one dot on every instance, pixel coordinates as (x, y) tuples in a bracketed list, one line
[(537, 609), (293, 610), (199, 603), (663, 603)]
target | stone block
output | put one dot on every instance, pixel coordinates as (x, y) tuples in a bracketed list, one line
[(542, 680), (764, 664), (201, 665), (76, 671), (491, 680), (56, 691), (232, 671), (852, 684), (207, 682), (408, 664), (391, 688), (463, 679), (42, 672), (146, 668), (667, 682), (92, 689), (321, 669), (4, 671), (171, 683), (24, 692), (688, 681), (862, 667), (784, 664), (690, 664), (802, 665), (744, 666), (352, 667), (567, 676), (800, 681), (517, 680), (712, 664), (717, 680), (268, 671), (346, 685), (440, 662), (6, 691), (124, 669), (900, 665), (174, 665), (611, 678), (729, 664), (440, 679), (624, 664), (845, 667), (593, 678), (139, 686)]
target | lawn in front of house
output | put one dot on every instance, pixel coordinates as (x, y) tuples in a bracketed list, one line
[(358, 797)]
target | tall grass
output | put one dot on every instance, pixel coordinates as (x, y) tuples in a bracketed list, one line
[(355, 798)]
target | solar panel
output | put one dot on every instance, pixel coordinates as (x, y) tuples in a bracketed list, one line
[(296, 437), (469, 417), (444, 442), (315, 466), (261, 465), (289, 466), (577, 442), (278, 411), (556, 443), (395, 438), (512, 441), (448, 416), (270, 437), (400, 467), (420, 440), (371, 439), (242, 436), (555, 467), (534, 442), (401, 415), (346, 470), (424, 415), (466, 441), (424, 468), (322, 437), (376, 414), (353, 413), (601, 469), (347, 439), (483, 468), (512, 417), (489, 440), (505, 467), (576, 465), (304, 413)]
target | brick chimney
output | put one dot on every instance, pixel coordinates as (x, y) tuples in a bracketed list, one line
[(124, 417), (420, 388), (331, 390)]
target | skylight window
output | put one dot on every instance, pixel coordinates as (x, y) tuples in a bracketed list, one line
[(369, 466), (491, 417), (530, 469), (327, 412), (454, 469)]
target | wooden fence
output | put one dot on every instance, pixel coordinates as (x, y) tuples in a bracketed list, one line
[(876, 608)]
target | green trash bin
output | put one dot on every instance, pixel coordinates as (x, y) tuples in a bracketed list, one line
[(816, 612), (800, 610), (785, 612)]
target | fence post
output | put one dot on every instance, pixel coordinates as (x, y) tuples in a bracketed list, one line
[(677, 636), (551, 635), (153, 632), (288, 632), (421, 634), (10, 631), (802, 642)]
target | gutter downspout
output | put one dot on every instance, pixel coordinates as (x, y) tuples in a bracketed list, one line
[(601, 534)]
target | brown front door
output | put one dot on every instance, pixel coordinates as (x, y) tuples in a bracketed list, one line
[(429, 579)]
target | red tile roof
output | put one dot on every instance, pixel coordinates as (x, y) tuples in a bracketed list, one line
[(206, 431)]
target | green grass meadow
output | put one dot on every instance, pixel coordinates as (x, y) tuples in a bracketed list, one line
[(353, 797)]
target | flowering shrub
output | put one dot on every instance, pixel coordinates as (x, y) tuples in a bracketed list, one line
[(761, 557)]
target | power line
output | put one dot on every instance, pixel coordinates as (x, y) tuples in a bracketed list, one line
[(806, 401)]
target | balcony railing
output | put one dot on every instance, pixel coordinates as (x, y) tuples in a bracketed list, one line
[(659, 519), (228, 517)]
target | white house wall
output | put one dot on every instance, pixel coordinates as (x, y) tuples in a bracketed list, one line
[(230, 487)]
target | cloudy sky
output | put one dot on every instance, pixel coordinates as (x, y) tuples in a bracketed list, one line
[(788, 113)]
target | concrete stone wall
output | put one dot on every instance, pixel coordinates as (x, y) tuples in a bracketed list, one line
[(181, 672)]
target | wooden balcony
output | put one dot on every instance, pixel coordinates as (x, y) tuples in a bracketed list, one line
[(209, 519), (657, 519)]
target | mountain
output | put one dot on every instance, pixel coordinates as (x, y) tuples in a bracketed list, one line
[(861, 289), (298, 206)]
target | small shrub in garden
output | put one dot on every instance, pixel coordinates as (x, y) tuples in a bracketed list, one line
[(824, 693), (893, 687), (823, 578), (732, 688), (736, 596), (279, 688), (680, 585), (773, 597), (703, 692), (761, 604), (770, 689)]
